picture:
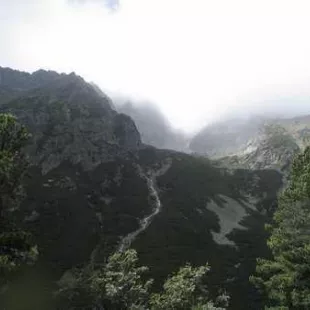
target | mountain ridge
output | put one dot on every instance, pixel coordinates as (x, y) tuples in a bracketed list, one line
[(254, 143)]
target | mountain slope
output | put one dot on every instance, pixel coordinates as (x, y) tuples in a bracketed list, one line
[(225, 138), (14, 82), (68, 120), (94, 187), (254, 143)]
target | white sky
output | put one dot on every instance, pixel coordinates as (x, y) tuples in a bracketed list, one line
[(196, 59)]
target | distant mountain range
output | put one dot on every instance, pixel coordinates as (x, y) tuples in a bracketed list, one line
[(254, 143)]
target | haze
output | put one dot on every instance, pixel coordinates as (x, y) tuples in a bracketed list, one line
[(197, 60)]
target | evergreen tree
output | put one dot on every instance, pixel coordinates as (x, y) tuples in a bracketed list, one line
[(185, 290), (16, 246), (118, 284), (285, 279), (121, 284)]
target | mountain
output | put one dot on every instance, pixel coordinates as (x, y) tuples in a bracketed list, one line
[(70, 121), (13, 82), (254, 143), (154, 128), (94, 187), (227, 137)]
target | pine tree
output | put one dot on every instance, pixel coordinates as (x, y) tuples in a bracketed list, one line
[(16, 246), (121, 284), (285, 279)]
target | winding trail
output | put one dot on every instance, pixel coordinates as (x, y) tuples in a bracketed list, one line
[(150, 178)]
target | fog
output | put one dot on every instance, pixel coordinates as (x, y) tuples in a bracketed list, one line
[(198, 61), (154, 127)]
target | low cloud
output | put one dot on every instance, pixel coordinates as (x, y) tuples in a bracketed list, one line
[(199, 60), (110, 4)]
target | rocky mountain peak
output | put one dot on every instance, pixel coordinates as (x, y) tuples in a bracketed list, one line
[(18, 80), (70, 121)]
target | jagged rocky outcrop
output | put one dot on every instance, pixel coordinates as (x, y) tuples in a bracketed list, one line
[(69, 121), (276, 150), (254, 143), (17, 80), (92, 182), (227, 137), (14, 82)]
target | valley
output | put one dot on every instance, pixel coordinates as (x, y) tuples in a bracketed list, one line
[(94, 187)]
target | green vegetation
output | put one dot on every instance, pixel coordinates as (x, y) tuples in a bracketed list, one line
[(15, 245), (184, 290), (120, 284), (285, 277)]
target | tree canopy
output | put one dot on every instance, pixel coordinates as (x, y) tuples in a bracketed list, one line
[(122, 284), (285, 279), (16, 247)]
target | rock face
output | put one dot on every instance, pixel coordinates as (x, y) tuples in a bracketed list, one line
[(13, 82), (17, 80), (226, 138), (92, 183), (275, 150), (69, 121), (255, 143)]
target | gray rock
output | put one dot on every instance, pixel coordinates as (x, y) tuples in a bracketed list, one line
[(70, 121)]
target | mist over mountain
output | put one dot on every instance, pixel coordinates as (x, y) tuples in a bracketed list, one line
[(180, 63), (256, 142), (246, 133), (153, 126)]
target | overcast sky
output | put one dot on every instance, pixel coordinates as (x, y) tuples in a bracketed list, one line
[(196, 59)]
